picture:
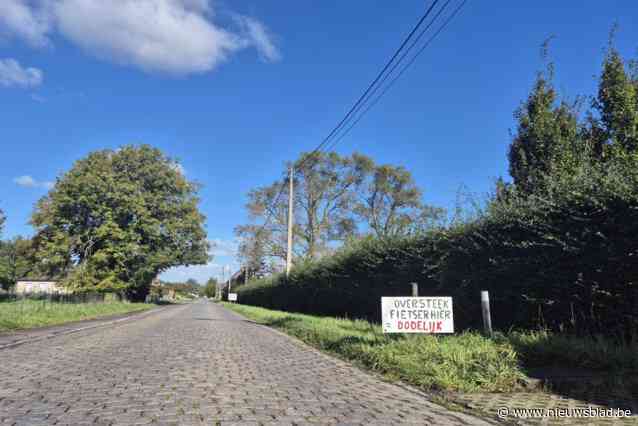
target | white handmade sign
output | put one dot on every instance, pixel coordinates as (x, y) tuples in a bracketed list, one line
[(232, 297), (417, 315)]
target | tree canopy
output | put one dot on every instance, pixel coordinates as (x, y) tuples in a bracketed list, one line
[(544, 132), (210, 289), (17, 260), (117, 219), (335, 199), (390, 203), (551, 140)]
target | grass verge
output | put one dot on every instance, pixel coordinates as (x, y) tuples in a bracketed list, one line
[(465, 362), (596, 353), (23, 314)]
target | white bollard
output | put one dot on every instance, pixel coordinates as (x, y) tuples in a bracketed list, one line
[(487, 317)]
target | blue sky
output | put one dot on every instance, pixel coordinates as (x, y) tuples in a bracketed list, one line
[(235, 89)]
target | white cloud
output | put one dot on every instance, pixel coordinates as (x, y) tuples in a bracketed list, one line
[(29, 182), (170, 36), (26, 20), (259, 36), (220, 247), (12, 74)]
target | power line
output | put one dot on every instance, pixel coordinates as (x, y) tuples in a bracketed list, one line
[(372, 88), (374, 82), (407, 65), (398, 62), (361, 99)]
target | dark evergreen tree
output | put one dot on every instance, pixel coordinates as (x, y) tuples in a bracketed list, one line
[(544, 133), (617, 106)]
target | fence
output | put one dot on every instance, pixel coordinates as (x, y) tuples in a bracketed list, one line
[(65, 298)]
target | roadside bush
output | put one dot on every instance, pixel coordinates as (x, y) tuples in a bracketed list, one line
[(565, 260)]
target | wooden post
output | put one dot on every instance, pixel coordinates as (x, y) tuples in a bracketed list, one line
[(415, 289), (487, 317)]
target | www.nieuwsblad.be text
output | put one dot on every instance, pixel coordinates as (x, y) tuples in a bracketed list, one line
[(582, 412)]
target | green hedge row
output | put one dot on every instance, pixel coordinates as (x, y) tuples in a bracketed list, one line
[(566, 260)]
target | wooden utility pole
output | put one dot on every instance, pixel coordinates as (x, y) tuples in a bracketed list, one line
[(290, 218), (221, 286)]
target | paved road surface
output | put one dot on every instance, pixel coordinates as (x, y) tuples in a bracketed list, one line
[(196, 364)]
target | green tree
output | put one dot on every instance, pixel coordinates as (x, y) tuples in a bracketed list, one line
[(210, 289), (390, 203), (550, 141), (117, 219), (17, 260), (617, 106), (544, 133), (324, 206), (335, 199)]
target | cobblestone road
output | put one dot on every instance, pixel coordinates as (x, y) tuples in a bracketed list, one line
[(197, 364)]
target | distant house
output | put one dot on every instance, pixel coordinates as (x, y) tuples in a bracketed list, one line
[(45, 286)]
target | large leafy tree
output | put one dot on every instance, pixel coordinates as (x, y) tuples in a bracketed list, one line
[(335, 198), (117, 219), (324, 207), (325, 200), (390, 203)]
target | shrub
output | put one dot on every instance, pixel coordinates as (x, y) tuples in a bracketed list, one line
[(563, 260)]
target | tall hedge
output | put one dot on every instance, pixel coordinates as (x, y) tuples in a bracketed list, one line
[(564, 260)]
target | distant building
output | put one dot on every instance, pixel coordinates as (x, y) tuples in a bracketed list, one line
[(45, 286), (172, 294)]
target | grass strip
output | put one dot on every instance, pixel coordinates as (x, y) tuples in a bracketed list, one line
[(467, 362), (24, 314)]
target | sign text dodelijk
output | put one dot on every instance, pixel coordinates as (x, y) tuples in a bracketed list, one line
[(417, 315)]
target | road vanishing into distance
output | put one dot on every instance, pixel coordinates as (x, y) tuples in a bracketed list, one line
[(197, 364)]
